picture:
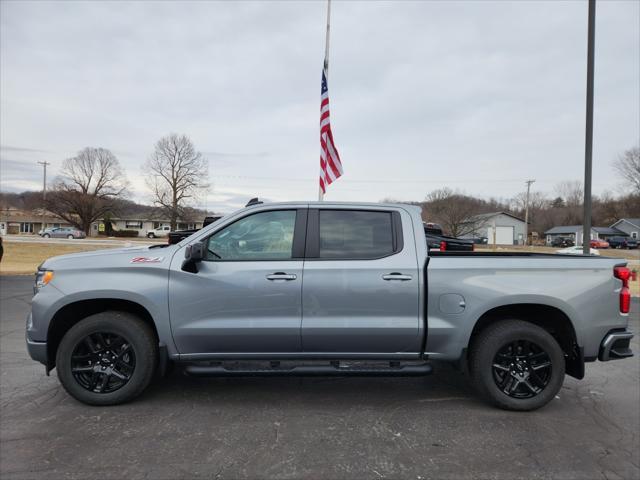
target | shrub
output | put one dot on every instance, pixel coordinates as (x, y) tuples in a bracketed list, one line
[(125, 233)]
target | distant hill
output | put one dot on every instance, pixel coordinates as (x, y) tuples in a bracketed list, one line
[(30, 201)]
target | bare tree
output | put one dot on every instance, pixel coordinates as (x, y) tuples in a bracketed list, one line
[(628, 167), (178, 172), (87, 187), (453, 210), (572, 194), (538, 203)]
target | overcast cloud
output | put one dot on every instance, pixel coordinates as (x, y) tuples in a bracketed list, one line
[(472, 95)]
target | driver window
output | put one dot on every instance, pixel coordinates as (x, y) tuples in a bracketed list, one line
[(262, 236)]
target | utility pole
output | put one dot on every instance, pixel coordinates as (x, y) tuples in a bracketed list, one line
[(526, 213), (44, 192), (588, 141)]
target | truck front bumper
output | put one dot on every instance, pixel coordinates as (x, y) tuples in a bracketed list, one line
[(37, 350), (616, 345)]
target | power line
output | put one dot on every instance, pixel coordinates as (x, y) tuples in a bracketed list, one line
[(407, 180)]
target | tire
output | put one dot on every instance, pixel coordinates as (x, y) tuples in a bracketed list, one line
[(70, 237), (151, 235), (46, 235), (139, 349), (512, 386)]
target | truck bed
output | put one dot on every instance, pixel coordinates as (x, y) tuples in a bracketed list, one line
[(513, 254)]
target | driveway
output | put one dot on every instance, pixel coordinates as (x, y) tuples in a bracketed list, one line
[(433, 427)]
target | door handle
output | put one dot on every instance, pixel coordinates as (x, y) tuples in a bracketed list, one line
[(281, 276), (397, 276)]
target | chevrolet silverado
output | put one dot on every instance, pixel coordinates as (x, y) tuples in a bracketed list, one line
[(325, 289)]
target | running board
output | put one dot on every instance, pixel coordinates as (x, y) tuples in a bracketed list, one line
[(340, 369)]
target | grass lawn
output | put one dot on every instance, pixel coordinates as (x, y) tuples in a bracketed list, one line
[(24, 258)]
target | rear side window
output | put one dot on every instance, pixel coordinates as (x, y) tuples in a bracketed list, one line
[(352, 234)]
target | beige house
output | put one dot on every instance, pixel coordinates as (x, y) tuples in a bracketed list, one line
[(14, 221), (141, 225), (20, 222)]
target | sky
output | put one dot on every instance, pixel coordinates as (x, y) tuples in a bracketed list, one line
[(473, 95)]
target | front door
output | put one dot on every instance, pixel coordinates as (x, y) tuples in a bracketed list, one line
[(246, 295), (361, 283)]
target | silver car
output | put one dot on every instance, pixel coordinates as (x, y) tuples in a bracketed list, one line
[(63, 232)]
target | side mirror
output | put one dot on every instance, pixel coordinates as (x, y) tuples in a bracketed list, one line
[(193, 254)]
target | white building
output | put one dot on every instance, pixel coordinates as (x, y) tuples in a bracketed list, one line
[(507, 229)]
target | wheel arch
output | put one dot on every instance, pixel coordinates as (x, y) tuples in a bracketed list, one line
[(550, 318), (72, 313)]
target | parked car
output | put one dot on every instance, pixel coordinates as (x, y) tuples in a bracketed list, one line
[(62, 232), (230, 301), (436, 240), (159, 232), (562, 242), (179, 235), (577, 250), (623, 242), (599, 244), (480, 240)]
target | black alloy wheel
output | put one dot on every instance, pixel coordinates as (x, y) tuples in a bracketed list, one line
[(516, 365), (522, 369), (103, 362)]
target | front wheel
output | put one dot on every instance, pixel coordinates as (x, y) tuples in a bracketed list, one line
[(151, 235), (70, 237), (516, 365), (46, 235), (107, 358)]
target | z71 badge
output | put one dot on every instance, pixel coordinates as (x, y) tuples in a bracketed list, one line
[(147, 259)]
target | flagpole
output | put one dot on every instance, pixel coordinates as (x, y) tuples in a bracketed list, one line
[(326, 72)]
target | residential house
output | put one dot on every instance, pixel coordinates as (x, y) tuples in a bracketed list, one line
[(14, 221), (575, 233), (142, 225), (629, 226)]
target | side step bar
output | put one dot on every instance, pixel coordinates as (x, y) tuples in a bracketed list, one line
[(410, 370)]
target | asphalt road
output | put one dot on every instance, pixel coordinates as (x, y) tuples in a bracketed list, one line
[(433, 427)]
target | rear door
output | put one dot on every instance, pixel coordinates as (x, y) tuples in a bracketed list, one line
[(361, 283)]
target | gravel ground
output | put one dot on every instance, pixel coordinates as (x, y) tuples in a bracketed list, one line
[(433, 427)]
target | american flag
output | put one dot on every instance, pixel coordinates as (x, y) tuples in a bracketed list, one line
[(330, 165)]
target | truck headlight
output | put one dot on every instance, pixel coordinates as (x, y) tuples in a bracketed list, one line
[(42, 278)]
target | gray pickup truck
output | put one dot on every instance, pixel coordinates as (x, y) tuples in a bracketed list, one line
[(325, 289)]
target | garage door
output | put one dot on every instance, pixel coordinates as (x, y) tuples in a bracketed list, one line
[(504, 235)]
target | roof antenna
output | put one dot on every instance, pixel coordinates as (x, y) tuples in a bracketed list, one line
[(253, 201)]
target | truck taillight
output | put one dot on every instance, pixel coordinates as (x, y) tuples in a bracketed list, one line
[(623, 274), (443, 246)]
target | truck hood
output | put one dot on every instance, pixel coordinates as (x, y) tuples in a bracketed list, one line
[(113, 258)]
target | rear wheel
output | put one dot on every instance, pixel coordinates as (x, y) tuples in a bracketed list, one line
[(107, 358), (151, 235), (516, 365)]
